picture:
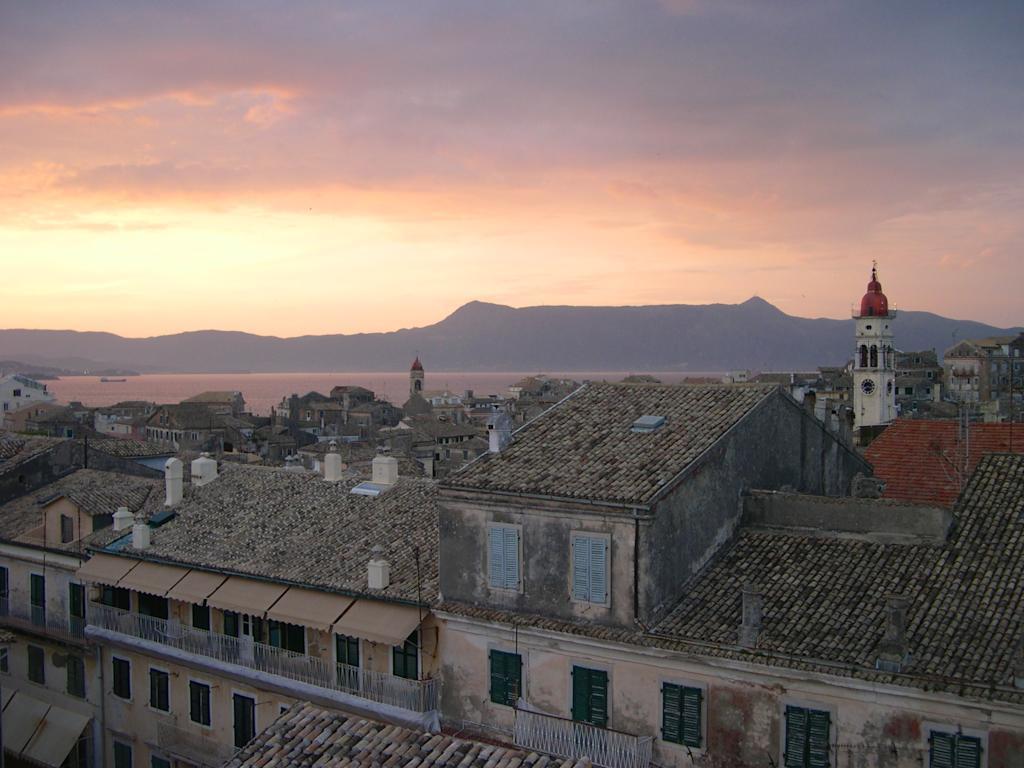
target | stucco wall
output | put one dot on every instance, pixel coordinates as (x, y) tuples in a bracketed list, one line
[(40, 470)]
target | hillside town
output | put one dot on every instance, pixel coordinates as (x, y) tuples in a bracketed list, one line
[(770, 569)]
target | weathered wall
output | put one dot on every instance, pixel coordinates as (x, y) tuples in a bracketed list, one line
[(39, 470), (108, 463)]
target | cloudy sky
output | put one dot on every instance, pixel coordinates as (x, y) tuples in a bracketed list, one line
[(304, 167)]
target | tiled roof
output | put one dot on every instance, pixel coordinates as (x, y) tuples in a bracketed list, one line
[(296, 527), (584, 447), (93, 491), (16, 449), (129, 449), (925, 461), (184, 416), (305, 736), (225, 397), (824, 599)]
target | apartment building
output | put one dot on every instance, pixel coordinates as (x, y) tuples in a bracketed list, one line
[(254, 588)]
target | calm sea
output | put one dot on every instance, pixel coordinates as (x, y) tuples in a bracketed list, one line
[(265, 390)]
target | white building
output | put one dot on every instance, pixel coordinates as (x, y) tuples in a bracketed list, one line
[(874, 360), (17, 391)]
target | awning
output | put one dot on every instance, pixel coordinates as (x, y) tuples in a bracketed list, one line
[(106, 569), (152, 578), (7, 694), (55, 736), (246, 595), (310, 608), (196, 586), (378, 622), (20, 720)]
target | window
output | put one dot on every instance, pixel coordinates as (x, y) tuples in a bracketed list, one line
[(230, 623), (807, 738), (159, 762), (76, 676), (122, 670), (590, 696), (37, 589), (199, 702), (405, 658), (116, 597), (159, 690), (4, 592), (291, 637), (244, 709), (36, 665), (590, 568), (151, 605), (953, 750), (76, 606), (67, 529), (122, 755), (680, 714), (4, 664), (506, 677), (201, 617), (503, 557), (348, 650)]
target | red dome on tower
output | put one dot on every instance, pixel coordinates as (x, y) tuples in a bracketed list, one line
[(874, 303), (416, 364)]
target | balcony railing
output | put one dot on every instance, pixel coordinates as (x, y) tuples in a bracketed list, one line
[(412, 695), (568, 738), (36, 618), (192, 747)]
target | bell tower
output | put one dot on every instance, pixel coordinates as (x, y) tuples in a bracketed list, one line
[(416, 376), (874, 360)]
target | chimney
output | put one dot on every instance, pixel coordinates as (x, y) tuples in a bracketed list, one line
[(140, 534), (499, 430), (810, 401), (123, 518), (174, 473), (293, 464), (753, 610), (385, 470), (204, 470), (379, 570), (332, 464), (892, 651)]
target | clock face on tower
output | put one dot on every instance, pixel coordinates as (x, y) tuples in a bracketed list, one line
[(867, 386)]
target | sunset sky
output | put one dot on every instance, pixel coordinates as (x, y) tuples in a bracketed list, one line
[(291, 168)]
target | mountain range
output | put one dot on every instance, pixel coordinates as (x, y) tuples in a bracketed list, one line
[(491, 337)]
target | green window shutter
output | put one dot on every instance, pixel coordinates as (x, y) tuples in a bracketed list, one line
[(691, 729), (580, 694), (942, 751), (76, 601), (499, 686), (818, 727), (598, 698), (201, 617), (796, 738), (671, 713), (968, 752), (230, 623)]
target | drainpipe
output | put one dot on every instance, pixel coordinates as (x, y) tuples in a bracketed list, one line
[(101, 743)]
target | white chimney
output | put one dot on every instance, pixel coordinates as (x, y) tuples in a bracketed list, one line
[(379, 571), (385, 470), (123, 518), (332, 464), (140, 534), (174, 474), (499, 430), (204, 470)]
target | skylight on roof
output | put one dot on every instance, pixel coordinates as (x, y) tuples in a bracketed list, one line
[(648, 424), (369, 489)]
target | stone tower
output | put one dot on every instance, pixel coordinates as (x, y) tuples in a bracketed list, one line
[(416, 378), (874, 361)]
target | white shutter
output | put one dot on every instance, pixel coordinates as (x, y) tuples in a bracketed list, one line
[(511, 558), (598, 570), (495, 556), (580, 568)]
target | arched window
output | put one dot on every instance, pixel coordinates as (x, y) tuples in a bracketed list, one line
[(863, 356), (874, 356)]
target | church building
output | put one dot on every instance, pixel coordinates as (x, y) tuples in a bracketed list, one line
[(874, 362)]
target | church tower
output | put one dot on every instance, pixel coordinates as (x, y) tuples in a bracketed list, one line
[(874, 361), (416, 378)]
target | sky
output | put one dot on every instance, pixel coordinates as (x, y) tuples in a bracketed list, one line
[(299, 168)]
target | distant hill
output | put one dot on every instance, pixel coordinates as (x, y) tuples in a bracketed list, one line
[(493, 337)]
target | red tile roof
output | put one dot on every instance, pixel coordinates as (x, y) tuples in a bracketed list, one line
[(924, 461)]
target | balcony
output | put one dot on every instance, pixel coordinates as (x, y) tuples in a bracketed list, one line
[(192, 747), (410, 695), (36, 619), (567, 738)]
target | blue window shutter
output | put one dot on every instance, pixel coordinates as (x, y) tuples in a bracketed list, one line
[(496, 557), (796, 737), (968, 752), (581, 568), (942, 750), (598, 570), (671, 713), (691, 699), (511, 558), (818, 727)]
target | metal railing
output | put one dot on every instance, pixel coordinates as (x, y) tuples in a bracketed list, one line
[(193, 747), (568, 738), (36, 618), (413, 695)]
